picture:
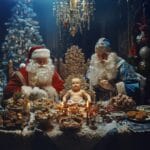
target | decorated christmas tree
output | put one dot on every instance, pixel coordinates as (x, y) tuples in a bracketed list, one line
[(23, 32)]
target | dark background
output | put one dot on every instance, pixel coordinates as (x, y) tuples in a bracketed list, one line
[(106, 23), (110, 20)]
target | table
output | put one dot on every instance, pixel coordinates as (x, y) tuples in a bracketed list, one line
[(106, 137)]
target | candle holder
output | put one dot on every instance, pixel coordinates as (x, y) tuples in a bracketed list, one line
[(92, 115), (87, 113)]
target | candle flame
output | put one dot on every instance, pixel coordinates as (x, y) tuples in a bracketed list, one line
[(87, 104), (28, 105), (62, 104)]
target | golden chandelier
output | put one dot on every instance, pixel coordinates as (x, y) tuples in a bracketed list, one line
[(74, 15)]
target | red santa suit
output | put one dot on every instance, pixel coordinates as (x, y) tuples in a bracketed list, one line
[(21, 78)]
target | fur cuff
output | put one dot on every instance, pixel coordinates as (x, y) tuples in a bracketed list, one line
[(42, 52), (39, 93), (52, 93), (120, 88), (26, 90)]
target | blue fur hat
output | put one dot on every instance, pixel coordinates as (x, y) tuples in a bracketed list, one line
[(103, 42)]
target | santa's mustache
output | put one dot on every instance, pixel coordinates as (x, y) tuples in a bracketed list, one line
[(34, 67), (42, 66)]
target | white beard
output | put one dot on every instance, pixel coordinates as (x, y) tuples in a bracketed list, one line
[(106, 70), (40, 75)]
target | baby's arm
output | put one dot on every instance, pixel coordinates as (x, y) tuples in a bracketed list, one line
[(85, 94), (66, 96)]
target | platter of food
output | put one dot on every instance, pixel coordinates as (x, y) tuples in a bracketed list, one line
[(138, 116), (122, 102), (145, 108)]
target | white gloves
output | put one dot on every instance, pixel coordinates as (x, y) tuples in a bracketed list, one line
[(26, 90), (39, 93), (51, 92)]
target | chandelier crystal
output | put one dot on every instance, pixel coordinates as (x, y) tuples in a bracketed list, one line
[(74, 15)]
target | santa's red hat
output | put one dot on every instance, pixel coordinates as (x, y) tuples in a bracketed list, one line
[(38, 52)]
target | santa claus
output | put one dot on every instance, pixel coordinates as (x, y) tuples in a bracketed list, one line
[(38, 77), (109, 73)]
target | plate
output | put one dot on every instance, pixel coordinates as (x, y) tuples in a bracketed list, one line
[(134, 115), (118, 115), (140, 121), (145, 108)]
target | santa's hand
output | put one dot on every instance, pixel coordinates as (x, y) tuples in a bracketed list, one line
[(105, 84), (39, 93), (26, 90)]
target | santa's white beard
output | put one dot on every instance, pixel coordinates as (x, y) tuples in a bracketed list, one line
[(40, 75), (43, 76), (102, 70)]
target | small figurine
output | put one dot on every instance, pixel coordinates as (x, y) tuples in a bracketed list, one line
[(76, 95)]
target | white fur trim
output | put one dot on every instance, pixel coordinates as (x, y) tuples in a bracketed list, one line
[(51, 92), (40, 93), (26, 90), (103, 42), (120, 88), (98, 70), (39, 53), (22, 65)]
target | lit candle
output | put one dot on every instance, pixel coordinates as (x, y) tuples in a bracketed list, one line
[(62, 105), (28, 106), (68, 111), (64, 108), (87, 104)]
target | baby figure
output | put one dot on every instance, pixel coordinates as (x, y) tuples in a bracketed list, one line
[(76, 95)]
